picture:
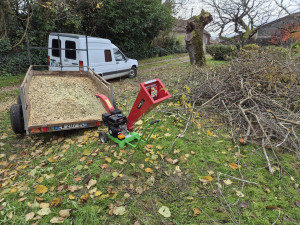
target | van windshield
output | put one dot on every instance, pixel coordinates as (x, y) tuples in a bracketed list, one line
[(119, 56)]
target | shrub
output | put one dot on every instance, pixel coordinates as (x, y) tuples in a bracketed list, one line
[(5, 45), (251, 47), (277, 52), (220, 52)]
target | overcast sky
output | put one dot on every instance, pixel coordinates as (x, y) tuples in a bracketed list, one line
[(193, 7)]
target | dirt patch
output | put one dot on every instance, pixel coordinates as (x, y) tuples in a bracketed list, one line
[(9, 88), (5, 106), (63, 99)]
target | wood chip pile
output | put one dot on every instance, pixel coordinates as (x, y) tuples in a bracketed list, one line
[(55, 99)]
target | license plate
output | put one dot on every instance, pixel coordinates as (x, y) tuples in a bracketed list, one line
[(70, 126)]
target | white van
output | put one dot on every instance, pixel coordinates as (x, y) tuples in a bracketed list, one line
[(71, 52)]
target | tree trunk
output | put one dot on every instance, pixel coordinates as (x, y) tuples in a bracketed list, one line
[(196, 27)]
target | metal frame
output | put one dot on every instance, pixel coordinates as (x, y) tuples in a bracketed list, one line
[(59, 48)]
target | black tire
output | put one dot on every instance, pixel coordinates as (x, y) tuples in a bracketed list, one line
[(16, 119), (103, 137), (19, 100), (132, 72)]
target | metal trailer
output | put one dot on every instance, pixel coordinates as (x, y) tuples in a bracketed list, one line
[(21, 111)]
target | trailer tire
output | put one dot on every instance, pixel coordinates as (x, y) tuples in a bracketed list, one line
[(16, 119), (19, 100), (132, 72), (103, 137)]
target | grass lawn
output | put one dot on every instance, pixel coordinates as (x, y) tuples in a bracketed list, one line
[(198, 181)]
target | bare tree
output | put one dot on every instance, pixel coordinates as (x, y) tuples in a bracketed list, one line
[(239, 17)]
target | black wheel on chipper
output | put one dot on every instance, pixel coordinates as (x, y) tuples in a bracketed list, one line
[(103, 137), (16, 119)]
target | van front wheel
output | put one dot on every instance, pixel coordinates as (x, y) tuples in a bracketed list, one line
[(132, 72)]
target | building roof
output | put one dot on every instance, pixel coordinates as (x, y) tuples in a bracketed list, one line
[(291, 16)]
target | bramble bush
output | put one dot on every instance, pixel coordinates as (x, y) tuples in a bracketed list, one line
[(251, 47)]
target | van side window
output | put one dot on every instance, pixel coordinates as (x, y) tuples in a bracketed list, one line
[(107, 54), (118, 55), (70, 54), (55, 44)]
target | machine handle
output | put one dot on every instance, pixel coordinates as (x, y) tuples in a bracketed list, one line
[(153, 122)]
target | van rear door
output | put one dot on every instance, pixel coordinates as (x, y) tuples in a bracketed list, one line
[(70, 56), (54, 53)]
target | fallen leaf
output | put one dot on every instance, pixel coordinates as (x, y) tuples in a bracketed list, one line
[(84, 197), (139, 122), (139, 190), (44, 205), (148, 170), (55, 202), (108, 159), (86, 152), (209, 133), (208, 178), (171, 161), (65, 213), (29, 216), (91, 183), (22, 199), (71, 197), (40, 189), (234, 166), (227, 182), (73, 188), (77, 179), (196, 211), (240, 194), (57, 220), (119, 211), (62, 187), (104, 166), (44, 212), (52, 159), (165, 211), (159, 147), (98, 193), (242, 141)]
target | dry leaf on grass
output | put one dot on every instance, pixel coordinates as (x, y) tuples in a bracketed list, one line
[(196, 211), (44, 212), (119, 211), (57, 220), (40, 189), (91, 183), (65, 213), (148, 170), (227, 182), (234, 166), (165, 211), (29, 216), (55, 202)]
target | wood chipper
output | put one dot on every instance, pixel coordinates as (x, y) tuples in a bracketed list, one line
[(120, 127)]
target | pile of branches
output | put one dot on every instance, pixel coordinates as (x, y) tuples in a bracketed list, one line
[(258, 94)]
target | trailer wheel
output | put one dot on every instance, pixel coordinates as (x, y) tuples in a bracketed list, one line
[(132, 72), (16, 119), (103, 137), (19, 100)]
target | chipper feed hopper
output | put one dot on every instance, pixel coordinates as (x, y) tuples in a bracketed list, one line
[(120, 127)]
